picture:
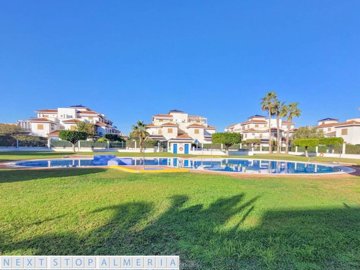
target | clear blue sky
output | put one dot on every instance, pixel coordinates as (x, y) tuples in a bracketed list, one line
[(133, 59)]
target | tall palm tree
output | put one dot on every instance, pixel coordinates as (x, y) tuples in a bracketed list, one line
[(278, 109), (289, 112), (268, 104), (139, 132)]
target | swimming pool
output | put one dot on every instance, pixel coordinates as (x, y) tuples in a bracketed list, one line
[(219, 165)]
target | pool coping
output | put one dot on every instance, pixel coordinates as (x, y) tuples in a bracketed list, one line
[(343, 169)]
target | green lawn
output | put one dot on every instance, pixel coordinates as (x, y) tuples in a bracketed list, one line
[(211, 221)]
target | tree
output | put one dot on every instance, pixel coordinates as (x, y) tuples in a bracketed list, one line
[(278, 109), (252, 142), (114, 138), (10, 129), (289, 112), (72, 136), (88, 128), (308, 132), (139, 132), (306, 143), (226, 138), (13, 133), (331, 142), (268, 104)]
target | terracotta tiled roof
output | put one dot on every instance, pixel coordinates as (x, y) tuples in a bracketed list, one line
[(101, 124), (41, 120), (211, 127), (255, 122), (251, 130), (88, 112), (54, 133), (152, 126), (157, 137), (348, 123), (327, 125), (169, 125), (163, 116), (196, 126), (71, 121), (184, 136), (48, 110)]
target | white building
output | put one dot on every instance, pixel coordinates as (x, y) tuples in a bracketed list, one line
[(180, 130), (257, 127), (49, 122), (348, 130)]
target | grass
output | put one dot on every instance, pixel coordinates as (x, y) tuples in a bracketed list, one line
[(211, 221)]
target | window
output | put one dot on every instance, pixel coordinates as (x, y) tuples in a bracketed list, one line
[(344, 131), (170, 130), (159, 131), (329, 129), (196, 131), (256, 125), (40, 126)]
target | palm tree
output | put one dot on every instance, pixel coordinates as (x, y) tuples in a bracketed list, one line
[(268, 104), (278, 108), (139, 132), (289, 112)]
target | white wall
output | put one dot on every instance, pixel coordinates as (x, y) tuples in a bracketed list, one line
[(353, 134), (40, 132), (66, 113)]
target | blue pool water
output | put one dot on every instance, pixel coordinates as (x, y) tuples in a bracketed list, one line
[(222, 165)]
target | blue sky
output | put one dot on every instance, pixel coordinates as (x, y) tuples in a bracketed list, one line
[(133, 59)]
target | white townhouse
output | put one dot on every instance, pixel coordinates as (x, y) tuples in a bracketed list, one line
[(348, 130), (48, 122), (180, 130), (257, 127)]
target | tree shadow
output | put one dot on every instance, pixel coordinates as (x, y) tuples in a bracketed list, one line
[(356, 169), (10, 176), (214, 236)]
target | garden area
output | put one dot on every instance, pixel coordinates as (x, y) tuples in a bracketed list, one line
[(211, 221)]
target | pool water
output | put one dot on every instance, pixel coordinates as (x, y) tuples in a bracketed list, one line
[(221, 165)]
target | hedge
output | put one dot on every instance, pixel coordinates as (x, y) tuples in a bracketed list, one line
[(353, 149), (23, 141)]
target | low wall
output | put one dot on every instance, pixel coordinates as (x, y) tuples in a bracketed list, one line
[(136, 150), (211, 152), (24, 149), (354, 156)]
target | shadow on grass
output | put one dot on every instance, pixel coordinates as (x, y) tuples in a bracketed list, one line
[(9, 176), (294, 239), (356, 168)]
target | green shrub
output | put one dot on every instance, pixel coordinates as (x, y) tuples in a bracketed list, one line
[(226, 138), (353, 149)]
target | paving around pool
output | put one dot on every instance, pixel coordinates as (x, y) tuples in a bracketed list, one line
[(174, 164)]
